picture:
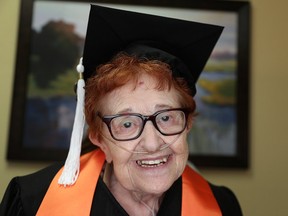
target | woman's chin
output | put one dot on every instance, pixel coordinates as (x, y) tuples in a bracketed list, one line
[(155, 175)]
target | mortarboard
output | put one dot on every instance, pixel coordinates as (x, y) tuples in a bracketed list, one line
[(184, 45)]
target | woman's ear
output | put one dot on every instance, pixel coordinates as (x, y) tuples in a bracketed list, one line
[(94, 139), (102, 145), (190, 122)]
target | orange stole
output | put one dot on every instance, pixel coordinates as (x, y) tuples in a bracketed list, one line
[(197, 197), (77, 199)]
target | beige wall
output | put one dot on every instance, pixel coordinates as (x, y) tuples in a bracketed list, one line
[(263, 188)]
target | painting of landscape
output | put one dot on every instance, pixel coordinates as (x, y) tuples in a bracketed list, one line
[(58, 35)]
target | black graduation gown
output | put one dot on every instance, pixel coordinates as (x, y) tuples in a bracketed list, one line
[(24, 196)]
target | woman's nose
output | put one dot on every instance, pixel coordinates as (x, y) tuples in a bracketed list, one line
[(151, 140)]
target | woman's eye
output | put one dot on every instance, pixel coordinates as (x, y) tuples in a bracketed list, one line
[(165, 118), (127, 124)]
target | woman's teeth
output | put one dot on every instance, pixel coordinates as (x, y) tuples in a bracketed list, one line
[(152, 163)]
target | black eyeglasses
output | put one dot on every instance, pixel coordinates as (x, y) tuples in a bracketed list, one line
[(129, 126)]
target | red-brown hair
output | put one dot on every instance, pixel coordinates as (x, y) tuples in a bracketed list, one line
[(121, 70)]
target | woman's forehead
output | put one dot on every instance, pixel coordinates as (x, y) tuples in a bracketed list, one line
[(142, 96)]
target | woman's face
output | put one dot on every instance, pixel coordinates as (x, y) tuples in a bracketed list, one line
[(155, 171)]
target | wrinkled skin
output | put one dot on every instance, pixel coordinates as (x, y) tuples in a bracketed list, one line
[(130, 182)]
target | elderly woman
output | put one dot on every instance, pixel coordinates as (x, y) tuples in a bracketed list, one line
[(139, 107)]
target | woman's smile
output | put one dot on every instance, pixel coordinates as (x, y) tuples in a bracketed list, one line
[(150, 163), (154, 169)]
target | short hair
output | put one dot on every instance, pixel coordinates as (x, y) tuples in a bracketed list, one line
[(121, 70)]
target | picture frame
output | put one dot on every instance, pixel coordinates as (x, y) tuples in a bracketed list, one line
[(31, 117)]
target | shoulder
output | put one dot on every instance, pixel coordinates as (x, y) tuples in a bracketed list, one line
[(227, 200), (24, 194)]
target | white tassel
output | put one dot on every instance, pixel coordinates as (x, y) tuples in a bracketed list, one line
[(72, 165)]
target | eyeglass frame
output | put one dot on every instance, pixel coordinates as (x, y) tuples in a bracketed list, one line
[(108, 118)]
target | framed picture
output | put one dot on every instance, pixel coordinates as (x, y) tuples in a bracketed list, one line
[(50, 43)]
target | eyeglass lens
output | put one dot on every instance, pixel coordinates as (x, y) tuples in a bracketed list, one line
[(131, 125)]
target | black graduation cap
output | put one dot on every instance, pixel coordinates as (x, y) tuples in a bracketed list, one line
[(185, 45)]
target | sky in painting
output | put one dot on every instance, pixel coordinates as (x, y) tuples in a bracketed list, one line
[(77, 13)]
